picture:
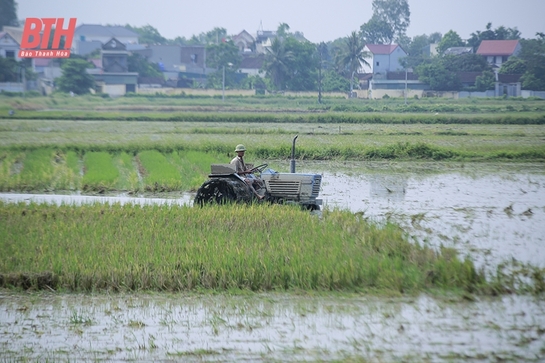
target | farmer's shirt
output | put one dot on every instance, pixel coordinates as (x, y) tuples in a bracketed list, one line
[(238, 162)]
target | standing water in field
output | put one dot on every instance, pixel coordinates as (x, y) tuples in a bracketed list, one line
[(490, 212), (268, 327), (493, 213)]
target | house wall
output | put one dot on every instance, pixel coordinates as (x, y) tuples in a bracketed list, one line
[(381, 63), (196, 91), (168, 55), (193, 56), (526, 94), (252, 72), (9, 48), (76, 46), (49, 72), (395, 58), (114, 90), (11, 87), (394, 93), (485, 94), (386, 62)]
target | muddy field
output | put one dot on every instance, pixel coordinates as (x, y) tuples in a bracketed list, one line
[(494, 213), (269, 327)]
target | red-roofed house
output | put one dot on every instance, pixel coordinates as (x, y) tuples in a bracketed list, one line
[(384, 58), (497, 52)]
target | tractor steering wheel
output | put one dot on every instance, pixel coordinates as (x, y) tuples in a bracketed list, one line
[(259, 168)]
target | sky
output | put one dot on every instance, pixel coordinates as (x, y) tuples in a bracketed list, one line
[(318, 20)]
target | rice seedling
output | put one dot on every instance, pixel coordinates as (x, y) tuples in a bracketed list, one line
[(128, 172), (77, 318), (193, 166), (171, 248), (11, 164), (67, 174), (100, 171), (158, 173), (36, 170)]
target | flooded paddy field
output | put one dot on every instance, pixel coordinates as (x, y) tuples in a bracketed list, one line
[(490, 212), (493, 213), (269, 327)]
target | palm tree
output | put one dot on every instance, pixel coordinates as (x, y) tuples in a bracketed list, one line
[(352, 56), (277, 62)]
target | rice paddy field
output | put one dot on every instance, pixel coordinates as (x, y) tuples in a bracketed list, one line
[(369, 283)]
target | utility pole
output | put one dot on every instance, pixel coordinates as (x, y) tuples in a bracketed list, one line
[(405, 85)]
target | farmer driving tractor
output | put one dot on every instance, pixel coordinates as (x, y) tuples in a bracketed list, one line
[(245, 172)]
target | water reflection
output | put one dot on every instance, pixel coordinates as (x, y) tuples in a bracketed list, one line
[(492, 214), (390, 187)]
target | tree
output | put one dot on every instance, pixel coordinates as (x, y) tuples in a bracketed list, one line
[(8, 13), (352, 56), (416, 49), (439, 74), (514, 65), (334, 82), (449, 40), (283, 30), (303, 66), (222, 56), (377, 31), (137, 63), (500, 33), (75, 77), (467, 63), (533, 54), (11, 70), (277, 62), (148, 35), (395, 13), (8, 70), (486, 81), (215, 36)]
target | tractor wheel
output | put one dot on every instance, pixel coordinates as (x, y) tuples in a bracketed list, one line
[(222, 191)]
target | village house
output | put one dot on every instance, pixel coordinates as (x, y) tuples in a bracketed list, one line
[(383, 58), (498, 52), (114, 77), (9, 46), (91, 37)]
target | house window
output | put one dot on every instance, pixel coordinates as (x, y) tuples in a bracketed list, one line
[(10, 54), (194, 58), (378, 63), (82, 38)]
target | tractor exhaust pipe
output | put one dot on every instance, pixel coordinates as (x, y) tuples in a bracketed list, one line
[(292, 161)]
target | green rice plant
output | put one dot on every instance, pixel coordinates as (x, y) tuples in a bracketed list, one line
[(38, 170), (11, 164), (158, 173), (256, 247), (194, 166), (128, 175), (100, 172), (67, 171)]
